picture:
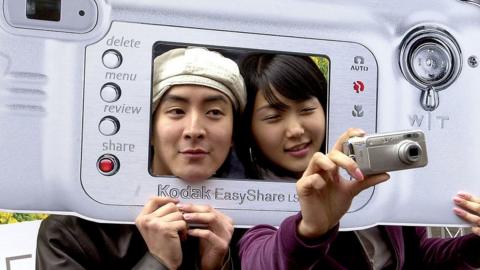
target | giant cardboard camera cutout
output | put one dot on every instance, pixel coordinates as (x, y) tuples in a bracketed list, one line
[(75, 93)]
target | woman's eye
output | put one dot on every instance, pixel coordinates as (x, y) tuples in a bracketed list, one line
[(271, 117), (308, 110)]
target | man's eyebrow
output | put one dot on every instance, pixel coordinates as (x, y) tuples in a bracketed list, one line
[(214, 98), (173, 97)]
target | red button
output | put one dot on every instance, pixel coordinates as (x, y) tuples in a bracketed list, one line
[(106, 165)]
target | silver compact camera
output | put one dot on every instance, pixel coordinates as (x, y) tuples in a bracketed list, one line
[(385, 152)]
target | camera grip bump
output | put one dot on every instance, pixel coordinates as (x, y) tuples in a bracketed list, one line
[(79, 16), (22, 92)]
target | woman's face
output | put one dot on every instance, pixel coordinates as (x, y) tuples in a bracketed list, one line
[(288, 137), (192, 132)]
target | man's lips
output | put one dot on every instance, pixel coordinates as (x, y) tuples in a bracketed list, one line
[(194, 153)]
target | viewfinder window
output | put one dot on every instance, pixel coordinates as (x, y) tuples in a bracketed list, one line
[(45, 10)]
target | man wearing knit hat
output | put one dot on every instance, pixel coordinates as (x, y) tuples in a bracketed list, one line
[(197, 94)]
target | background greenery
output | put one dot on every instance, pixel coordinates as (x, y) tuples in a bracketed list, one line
[(322, 64), (7, 218)]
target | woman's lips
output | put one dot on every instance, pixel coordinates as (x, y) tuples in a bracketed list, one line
[(299, 151)]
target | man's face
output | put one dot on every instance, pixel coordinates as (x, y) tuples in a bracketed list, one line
[(192, 132)]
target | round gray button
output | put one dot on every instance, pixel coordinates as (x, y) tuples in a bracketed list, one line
[(112, 59), (109, 126), (110, 92)]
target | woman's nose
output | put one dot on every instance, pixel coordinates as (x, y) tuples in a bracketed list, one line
[(294, 128)]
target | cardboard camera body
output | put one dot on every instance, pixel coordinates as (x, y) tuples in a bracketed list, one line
[(66, 69)]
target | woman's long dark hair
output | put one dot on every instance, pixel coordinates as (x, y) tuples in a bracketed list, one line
[(295, 77)]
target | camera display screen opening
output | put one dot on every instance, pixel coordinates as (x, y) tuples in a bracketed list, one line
[(162, 160)]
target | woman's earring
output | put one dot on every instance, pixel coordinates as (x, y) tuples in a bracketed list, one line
[(252, 158)]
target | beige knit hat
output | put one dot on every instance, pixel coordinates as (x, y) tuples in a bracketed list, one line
[(199, 66)]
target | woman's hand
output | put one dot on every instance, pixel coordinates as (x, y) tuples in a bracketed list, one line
[(324, 195), (162, 227), (214, 237), (468, 209)]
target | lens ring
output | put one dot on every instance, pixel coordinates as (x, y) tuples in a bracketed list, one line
[(424, 37), (409, 152)]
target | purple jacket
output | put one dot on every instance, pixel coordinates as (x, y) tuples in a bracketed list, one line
[(265, 247)]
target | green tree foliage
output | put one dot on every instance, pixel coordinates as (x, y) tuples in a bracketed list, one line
[(322, 64), (8, 218)]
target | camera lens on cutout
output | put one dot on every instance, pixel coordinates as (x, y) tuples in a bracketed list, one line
[(430, 58), (431, 62)]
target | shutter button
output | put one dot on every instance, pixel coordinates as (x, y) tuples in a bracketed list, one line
[(108, 165)]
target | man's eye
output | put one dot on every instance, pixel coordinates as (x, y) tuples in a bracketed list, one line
[(215, 113), (175, 112)]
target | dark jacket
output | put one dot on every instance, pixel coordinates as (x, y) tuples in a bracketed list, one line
[(67, 242), (265, 247), (72, 243)]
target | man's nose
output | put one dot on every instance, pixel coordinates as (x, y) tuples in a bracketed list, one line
[(195, 128)]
